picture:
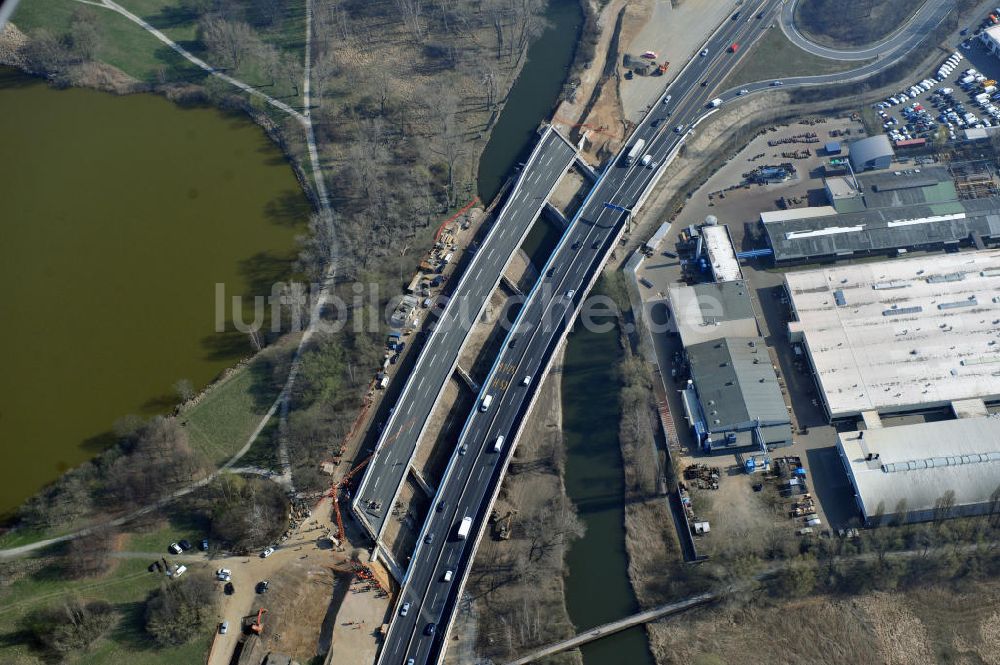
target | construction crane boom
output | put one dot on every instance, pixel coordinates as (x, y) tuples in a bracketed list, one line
[(335, 493)]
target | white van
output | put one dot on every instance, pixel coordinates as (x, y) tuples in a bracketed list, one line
[(485, 404), (498, 444), (448, 574)]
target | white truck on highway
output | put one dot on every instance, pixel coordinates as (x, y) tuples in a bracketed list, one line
[(715, 103), (635, 151), (464, 527), (485, 404)]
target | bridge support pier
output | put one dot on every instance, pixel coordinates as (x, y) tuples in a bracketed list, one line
[(586, 168), (424, 485), (467, 379), (556, 216)]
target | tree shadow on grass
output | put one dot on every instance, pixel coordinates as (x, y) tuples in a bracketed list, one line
[(130, 631), (263, 386), (172, 16)]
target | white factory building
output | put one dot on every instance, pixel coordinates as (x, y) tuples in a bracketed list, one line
[(901, 335), (924, 471), (720, 252)]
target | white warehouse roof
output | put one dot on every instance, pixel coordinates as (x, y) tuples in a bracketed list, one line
[(770, 216), (918, 464), (721, 253), (903, 334)]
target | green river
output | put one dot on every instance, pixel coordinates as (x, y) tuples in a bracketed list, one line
[(119, 216)]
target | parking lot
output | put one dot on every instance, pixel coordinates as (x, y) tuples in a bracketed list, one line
[(961, 94)]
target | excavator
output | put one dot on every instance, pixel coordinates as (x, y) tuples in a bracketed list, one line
[(254, 623)]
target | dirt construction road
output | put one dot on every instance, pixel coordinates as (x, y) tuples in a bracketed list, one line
[(307, 541)]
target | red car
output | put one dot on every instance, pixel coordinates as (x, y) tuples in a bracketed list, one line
[(734, 48)]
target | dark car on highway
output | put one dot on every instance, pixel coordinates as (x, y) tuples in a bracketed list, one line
[(429, 630)]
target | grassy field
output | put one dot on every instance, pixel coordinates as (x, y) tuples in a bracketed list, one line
[(126, 587), (932, 625), (123, 44), (128, 47), (826, 21), (220, 423), (776, 57)]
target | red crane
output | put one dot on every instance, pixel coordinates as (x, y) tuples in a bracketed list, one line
[(257, 626), (335, 493)]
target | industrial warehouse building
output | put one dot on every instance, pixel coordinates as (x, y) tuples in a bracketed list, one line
[(918, 209), (924, 471), (733, 399), (720, 252), (874, 152), (712, 310), (900, 335), (990, 37)]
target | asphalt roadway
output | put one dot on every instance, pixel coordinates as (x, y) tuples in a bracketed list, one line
[(885, 54), (899, 38), (472, 478), (397, 444)]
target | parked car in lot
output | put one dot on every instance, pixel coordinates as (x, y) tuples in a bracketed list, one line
[(223, 628), (175, 548), (263, 586), (223, 574), (268, 551), (185, 545)]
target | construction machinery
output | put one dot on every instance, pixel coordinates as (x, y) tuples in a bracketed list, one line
[(502, 525), (253, 622), (335, 494)]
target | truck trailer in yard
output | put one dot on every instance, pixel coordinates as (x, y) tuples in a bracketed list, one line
[(634, 153)]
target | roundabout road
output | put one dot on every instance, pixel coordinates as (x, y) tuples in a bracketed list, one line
[(930, 13), (901, 44)]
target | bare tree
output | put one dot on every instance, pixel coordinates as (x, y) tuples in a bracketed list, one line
[(497, 13), (410, 10), (491, 86), (229, 41)]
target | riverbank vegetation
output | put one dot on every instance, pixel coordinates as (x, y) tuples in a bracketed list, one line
[(516, 583)]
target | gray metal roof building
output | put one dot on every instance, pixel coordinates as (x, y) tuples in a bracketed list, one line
[(874, 152), (915, 209), (712, 310), (924, 471), (735, 400)]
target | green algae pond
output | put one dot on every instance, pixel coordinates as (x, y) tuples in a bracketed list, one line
[(119, 216)]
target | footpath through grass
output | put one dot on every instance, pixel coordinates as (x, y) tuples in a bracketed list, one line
[(222, 421), (130, 48), (775, 57), (123, 44)]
